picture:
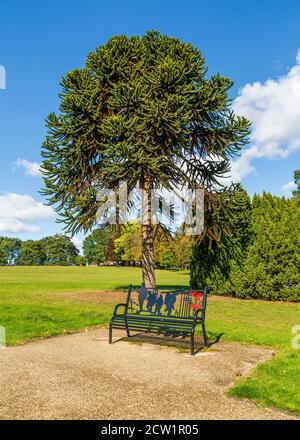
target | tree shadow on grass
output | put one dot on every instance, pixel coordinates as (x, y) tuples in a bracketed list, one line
[(180, 343)]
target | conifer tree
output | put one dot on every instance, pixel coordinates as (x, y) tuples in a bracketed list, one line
[(213, 254), (140, 110), (271, 269), (267, 264)]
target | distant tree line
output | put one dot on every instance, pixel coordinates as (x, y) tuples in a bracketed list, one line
[(124, 246), (57, 250), (262, 259), (102, 246)]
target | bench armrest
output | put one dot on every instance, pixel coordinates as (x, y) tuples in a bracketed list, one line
[(119, 305)]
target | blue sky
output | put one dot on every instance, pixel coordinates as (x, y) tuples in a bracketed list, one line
[(252, 42)]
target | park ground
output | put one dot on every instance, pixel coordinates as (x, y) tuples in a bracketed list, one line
[(39, 302), (81, 376)]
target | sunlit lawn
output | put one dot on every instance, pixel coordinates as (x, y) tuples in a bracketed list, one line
[(31, 308), (38, 302)]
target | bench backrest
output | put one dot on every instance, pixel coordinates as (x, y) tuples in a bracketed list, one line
[(176, 303)]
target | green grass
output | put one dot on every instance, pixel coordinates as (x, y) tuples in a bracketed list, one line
[(30, 307), (253, 321), (274, 383), (33, 281), (40, 302)]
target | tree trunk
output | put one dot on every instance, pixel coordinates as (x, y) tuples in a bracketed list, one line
[(148, 260)]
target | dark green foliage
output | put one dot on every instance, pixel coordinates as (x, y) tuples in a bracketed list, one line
[(31, 254), (58, 250), (140, 107), (99, 246), (229, 220), (9, 250), (270, 266)]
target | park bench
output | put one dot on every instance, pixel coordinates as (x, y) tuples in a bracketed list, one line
[(172, 313)]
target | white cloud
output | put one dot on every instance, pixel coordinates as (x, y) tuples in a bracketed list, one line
[(288, 188), (273, 108), (32, 169), (20, 213), (242, 166), (16, 226), (78, 242)]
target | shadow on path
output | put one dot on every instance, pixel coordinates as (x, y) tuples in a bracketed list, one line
[(169, 341)]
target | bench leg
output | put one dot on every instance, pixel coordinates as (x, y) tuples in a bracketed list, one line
[(192, 344), (127, 331), (204, 335), (110, 334)]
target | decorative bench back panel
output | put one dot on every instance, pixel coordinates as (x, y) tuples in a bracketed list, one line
[(178, 303)]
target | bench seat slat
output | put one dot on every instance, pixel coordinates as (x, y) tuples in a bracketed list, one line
[(153, 323), (187, 329), (154, 319)]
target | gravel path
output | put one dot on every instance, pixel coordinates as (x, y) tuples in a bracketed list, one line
[(81, 376)]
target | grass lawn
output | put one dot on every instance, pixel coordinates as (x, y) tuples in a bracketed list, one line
[(45, 301), (30, 306), (276, 382)]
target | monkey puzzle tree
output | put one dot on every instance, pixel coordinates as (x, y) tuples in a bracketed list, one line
[(141, 110)]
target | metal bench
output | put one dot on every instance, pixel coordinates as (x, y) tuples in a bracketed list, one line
[(175, 313)]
